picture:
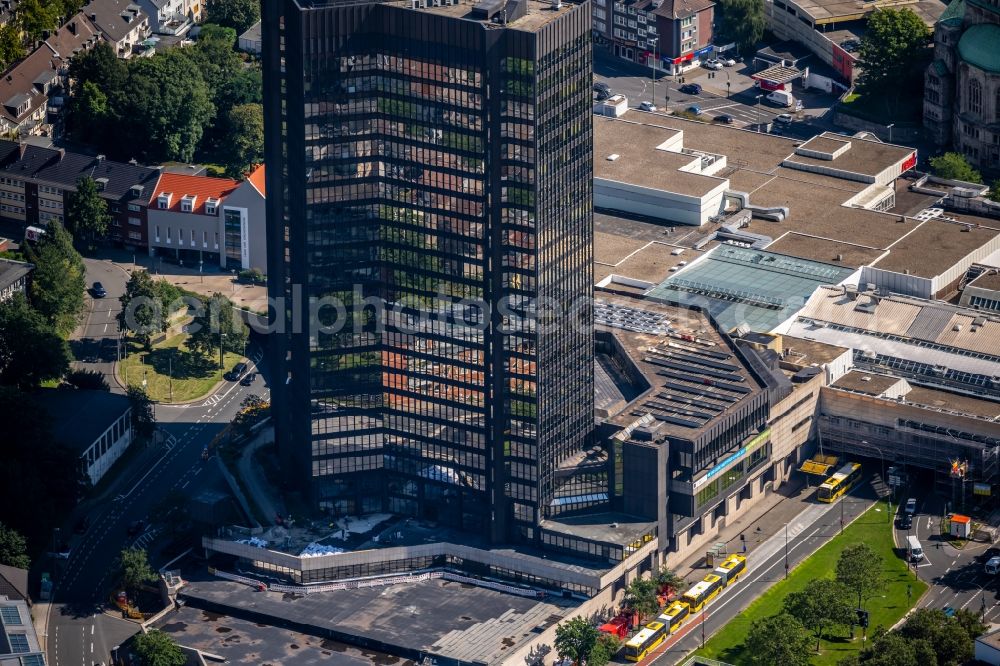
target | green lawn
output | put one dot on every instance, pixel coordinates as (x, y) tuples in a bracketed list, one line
[(193, 375), (871, 528)]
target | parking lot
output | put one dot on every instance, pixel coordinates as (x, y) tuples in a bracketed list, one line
[(730, 91)]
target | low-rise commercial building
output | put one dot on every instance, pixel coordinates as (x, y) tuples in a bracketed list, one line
[(19, 645), (97, 425), (199, 219)]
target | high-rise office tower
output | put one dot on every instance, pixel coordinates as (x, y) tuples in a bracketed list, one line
[(429, 171)]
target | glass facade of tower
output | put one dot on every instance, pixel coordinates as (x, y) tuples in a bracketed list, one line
[(432, 249)]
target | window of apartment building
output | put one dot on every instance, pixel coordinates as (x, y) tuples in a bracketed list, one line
[(631, 11), (974, 97), (168, 234), (933, 96), (619, 20), (192, 238), (599, 26), (931, 79), (135, 208), (134, 221), (970, 131), (204, 239), (163, 201), (135, 235), (234, 234), (157, 233), (600, 13), (687, 46), (642, 18)]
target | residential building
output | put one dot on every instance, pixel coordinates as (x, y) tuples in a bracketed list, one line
[(14, 278), (185, 218), (962, 84), (14, 583), (19, 645), (249, 41), (243, 224), (445, 156), (675, 35), (25, 89), (97, 425), (122, 23), (167, 17), (35, 183)]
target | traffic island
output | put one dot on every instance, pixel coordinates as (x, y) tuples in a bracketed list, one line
[(172, 373), (901, 593)]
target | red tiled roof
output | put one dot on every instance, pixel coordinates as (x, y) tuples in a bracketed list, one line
[(256, 179), (202, 187)]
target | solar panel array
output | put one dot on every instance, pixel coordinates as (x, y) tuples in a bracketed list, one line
[(697, 385)]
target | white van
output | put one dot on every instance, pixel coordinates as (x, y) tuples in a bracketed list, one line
[(914, 550), (781, 98)]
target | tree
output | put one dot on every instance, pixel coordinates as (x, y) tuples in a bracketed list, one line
[(89, 380), (604, 650), (821, 604), (954, 166), (13, 548), (245, 130), (994, 193), (667, 577), (155, 648), (252, 410), (142, 310), (952, 639), (11, 46), (31, 351), (39, 476), (164, 109), (640, 596), (86, 211), (778, 639), (894, 53), (143, 423), (134, 570), (742, 22), (575, 639), (892, 649), (213, 32), (90, 113), (217, 323), (59, 280), (37, 17), (860, 569), (236, 14)]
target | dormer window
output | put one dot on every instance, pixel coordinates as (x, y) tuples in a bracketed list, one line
[(101, 183), (211, 206), (163, 201), (187, 203)]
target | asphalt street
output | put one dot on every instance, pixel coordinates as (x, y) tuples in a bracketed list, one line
[(80, 629), (765, 566), (738, 100), (957, 576)]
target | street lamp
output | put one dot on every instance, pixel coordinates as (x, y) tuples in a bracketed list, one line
[(889, 127), (221, 335), (652, 96)]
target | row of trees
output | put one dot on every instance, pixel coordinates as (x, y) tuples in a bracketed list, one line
[(202, 100)]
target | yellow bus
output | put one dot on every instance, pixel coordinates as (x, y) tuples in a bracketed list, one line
[(731, 569), (673, 615), (839, 483), (643, 642), (702, 592)]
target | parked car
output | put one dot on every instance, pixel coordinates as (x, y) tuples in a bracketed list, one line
[(911, 506), (647, 106), (691, 89), (695, 109), (712, 64), (249, 379), (98, 290), (724, 118), (905, 521), (728, 62), (136, 527), (783, 118), (949, 611), (237, 372)]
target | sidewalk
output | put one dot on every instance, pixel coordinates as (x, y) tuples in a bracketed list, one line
[(761, 522), (213, 279)]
